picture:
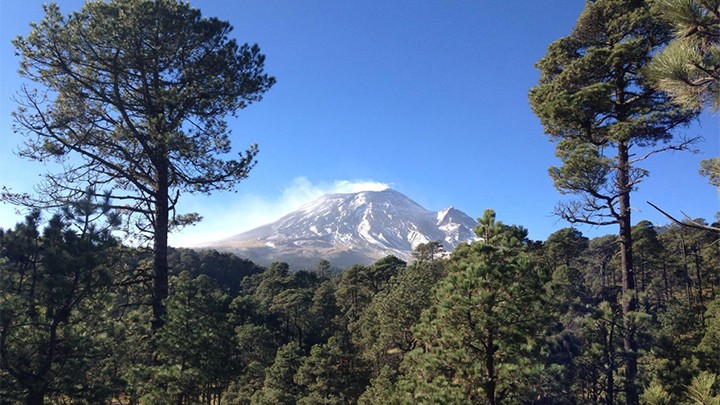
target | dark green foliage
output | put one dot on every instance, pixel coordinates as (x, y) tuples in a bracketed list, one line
[(598, 378), (646, 249), (381, 389), (384, 331), (323, 312), (678, 332), (285, 302), (330, 373), (353, 293), (195, 348), (503, 315), (292, 307), (482, 334), (603, 275), (380, 273), (428, 251), (226, 269), (708, 351), (51, 285), (670, 332), (279, 386), (689, 259), (565, 246)]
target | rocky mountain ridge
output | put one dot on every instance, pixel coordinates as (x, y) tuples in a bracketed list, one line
[(353, 228)]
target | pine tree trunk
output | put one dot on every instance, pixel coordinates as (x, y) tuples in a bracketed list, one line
[(160, 248), (698, 275), (665, 282), (491, 383), (629, 298), (643, 273), (610, 370), (603, 282), (686, 271)]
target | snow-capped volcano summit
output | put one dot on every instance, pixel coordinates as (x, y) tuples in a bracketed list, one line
[(351, 228)]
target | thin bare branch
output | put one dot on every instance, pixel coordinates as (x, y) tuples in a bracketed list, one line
[(684, 145)]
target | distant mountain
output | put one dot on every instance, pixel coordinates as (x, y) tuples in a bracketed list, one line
[(346, 229)]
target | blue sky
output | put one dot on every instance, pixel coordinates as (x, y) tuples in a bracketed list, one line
[(429, 97)]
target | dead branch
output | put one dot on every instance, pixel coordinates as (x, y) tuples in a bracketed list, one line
[(688, 221)]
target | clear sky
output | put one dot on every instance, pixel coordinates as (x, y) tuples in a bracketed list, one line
[(428, 97)]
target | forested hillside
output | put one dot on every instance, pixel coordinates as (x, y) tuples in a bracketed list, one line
[(503, 320)]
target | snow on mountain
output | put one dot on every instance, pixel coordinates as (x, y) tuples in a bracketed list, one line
[(346, 229)]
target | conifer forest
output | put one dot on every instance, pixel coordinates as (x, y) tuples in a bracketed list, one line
[(131, 97)]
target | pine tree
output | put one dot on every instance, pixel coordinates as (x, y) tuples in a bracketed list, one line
[(279, 387), (593, 99), (565, 246), (479, 340), (194, 348), (709, 347), (54, 291), (384, 330), (324, 375), (132, 96)]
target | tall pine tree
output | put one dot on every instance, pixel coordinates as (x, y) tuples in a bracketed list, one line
[(594, 101), (479, 341), (131, 97)]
